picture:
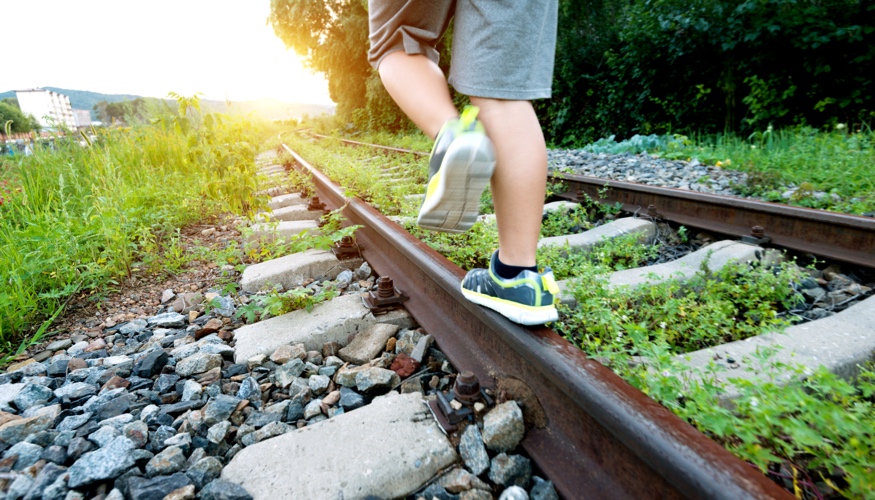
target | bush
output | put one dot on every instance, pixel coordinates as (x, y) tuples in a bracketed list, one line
[(661, 66)]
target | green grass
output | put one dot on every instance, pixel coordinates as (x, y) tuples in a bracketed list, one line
[(362, 172), (835, 162), (76, 220)]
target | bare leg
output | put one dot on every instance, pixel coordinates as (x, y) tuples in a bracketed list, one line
[(520, 178), (420, 89)]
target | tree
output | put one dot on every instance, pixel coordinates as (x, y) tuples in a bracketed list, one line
[(18, 121), (121, 112), (332, 38)]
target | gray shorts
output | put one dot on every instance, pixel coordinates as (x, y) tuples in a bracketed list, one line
[(501, 49)]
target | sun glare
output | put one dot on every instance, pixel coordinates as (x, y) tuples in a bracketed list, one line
[(221, 48)]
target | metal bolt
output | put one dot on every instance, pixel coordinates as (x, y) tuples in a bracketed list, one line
[(758, 231), (385, 287), (346, 242), (467, 388)]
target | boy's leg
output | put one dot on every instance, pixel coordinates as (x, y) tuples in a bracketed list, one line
[(420, 89), (520, 178)]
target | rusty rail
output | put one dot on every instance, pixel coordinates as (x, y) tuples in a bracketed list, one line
[(848, 238), (595, 436)]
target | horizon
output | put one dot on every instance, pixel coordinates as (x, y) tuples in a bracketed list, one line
[(203, 98), (219, 48)]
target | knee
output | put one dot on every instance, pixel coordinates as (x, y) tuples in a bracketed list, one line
[(492, 106)]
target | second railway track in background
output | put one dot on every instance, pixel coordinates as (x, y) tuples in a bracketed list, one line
[(596, 433)]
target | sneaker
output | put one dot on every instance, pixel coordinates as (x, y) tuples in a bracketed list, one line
[(526, 299), (461, 164)]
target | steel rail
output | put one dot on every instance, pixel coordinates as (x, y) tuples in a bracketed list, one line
[(843, 237), (597, 437), (847, 238)]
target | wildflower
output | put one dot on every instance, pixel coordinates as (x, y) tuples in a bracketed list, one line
[(754, 402), (663, 324), (840, 126)]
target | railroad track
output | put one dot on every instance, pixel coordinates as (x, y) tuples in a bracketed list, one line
[(598, 434), (190, 400)]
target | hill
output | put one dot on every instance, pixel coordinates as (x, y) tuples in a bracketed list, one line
[(82, 99), (269, 109)]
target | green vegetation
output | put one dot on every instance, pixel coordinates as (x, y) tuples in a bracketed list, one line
[(278, 303), (467, 250), (663, 66), (831, 169), (817, 432), (817, 436), (13, 121), (713, 308), (76, 220), (366, 175), (838, 163)]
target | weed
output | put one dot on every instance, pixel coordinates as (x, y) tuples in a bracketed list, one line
[(468, 250), (562, 222), (276, 303), (78, 219)]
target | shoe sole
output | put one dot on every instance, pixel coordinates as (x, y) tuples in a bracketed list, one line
[(455, 203), (518, 313)]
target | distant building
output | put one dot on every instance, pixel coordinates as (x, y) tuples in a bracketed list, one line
[(51, 109), (83, 117)]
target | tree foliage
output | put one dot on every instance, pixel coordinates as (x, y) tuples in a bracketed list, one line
[(332, 38), (18, 122), (124, 112), (710, 65)]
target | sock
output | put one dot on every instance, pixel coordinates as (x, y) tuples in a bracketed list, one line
[(507, 272)]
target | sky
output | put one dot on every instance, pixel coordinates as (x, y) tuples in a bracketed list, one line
[(221, 48)]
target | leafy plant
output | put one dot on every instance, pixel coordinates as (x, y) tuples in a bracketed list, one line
[(468, 250), (712, 308), (561, 222), (276, 303)]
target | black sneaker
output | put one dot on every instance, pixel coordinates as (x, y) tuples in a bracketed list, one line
[(526, 299), (461, 164)]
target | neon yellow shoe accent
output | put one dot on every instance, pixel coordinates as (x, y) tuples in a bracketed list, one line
[(550, 284), (433, 184)]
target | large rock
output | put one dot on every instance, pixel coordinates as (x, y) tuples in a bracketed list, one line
[(355, 446), (332, 321), (503, 427), (105, 463), (368, 344), (219, 489), (156, 488), (373, 380), (220, 408), (473, 451), (8, 393), (168, 461), (198, 363), (16, 431)]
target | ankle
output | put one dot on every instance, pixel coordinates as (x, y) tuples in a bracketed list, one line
[(505, 271)]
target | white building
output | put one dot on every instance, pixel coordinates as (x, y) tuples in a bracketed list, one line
[(51, 109)]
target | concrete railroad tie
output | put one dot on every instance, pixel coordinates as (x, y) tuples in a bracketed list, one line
[(388, 449)]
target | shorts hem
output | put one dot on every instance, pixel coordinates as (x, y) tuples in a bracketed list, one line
[(502, 93)]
